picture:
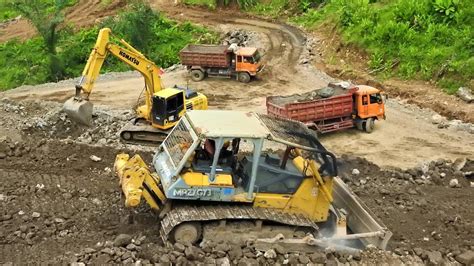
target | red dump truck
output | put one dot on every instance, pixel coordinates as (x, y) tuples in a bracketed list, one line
[(357, 106), (241, 63)]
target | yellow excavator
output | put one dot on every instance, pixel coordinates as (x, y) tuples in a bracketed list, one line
[(163, 106), (217, 168)]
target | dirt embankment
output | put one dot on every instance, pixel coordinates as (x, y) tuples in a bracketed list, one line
[(85, 13), (350, 63)]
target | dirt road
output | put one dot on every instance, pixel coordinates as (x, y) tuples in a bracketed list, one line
[(405, 139)]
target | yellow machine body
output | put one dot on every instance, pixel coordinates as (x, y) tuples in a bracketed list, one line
[(214, 166), (156, 97)]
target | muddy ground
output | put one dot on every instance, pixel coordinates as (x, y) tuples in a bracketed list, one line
[(53, 195), (59, 206)]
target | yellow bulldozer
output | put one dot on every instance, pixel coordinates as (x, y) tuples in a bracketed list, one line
[(163, 106), (219, 167)]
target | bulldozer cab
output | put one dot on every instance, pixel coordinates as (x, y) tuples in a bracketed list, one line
[(227, 156)]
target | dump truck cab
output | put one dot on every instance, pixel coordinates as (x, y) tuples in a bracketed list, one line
[(369, 106), (369, 102), (248, 60)]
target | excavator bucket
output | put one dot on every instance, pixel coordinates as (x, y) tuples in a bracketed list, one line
[(79, 110)]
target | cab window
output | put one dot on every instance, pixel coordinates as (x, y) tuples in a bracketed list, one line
[(256, 57), (364, 100), (375, 98), (174, 103), (239, 59), (248, 59)]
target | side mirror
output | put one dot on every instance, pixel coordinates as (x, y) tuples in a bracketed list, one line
[(385, 97)]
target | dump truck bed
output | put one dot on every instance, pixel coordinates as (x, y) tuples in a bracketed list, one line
[(205, 55), (309, 107)]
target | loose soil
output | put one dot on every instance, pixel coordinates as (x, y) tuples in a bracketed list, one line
[(405, 166)]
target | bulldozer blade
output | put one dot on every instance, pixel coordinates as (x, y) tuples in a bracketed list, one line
[(306, 244), (360, 220), (79, 111)]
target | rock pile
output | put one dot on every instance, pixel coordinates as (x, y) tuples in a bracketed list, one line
[(239, 37), (309, 52), (440, 172), (48, 120)]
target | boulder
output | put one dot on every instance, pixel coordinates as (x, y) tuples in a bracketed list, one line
[(466, 258), (122, 240), (465, 94), (270, 254), (434, 258)]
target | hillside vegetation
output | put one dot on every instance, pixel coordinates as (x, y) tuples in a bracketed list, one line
[(413, 39), (159, 38), (423, 39)]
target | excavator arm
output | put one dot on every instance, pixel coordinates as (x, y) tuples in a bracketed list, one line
[(78, 107)]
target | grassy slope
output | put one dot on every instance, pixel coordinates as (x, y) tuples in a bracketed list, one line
[(409, 39), (26, 62)]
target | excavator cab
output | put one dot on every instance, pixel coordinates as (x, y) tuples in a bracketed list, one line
[(170, 104), (163, 107), (167, 107)]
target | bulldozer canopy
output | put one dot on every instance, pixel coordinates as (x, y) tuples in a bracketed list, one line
[(240, 124), (228, 124)]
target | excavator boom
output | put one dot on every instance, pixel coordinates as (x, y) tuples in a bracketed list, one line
[(163, 106), (78, 107)]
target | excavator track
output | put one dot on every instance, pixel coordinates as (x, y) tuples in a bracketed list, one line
[(142, 133), (188, 213)]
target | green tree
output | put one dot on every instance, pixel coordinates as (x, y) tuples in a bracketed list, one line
[(139, 27), (46, 17)]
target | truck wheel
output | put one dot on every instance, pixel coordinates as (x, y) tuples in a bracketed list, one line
[(369, 125), (244, 77), (197, 75)]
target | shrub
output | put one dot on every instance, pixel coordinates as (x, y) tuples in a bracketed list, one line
[(26, 62), (432, 40)]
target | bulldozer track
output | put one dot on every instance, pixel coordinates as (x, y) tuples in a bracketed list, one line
[(188, 213)]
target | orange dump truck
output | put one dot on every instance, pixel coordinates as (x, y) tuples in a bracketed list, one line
[(341, 108), (241, 63)]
